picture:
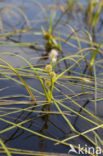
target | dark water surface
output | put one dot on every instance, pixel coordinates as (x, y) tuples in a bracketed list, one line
[(15, 96)]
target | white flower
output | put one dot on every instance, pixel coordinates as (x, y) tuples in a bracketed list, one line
[(53, 55), (54, 60), (97, 1)]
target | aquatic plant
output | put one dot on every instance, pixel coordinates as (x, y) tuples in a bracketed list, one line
[(63, 92)]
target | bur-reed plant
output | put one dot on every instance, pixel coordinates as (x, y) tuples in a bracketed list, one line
[(51, 79), (59, 89)]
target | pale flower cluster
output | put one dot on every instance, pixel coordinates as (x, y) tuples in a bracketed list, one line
[(97, 1), (53, 55)]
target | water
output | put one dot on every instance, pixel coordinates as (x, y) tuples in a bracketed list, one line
[(15, 96)]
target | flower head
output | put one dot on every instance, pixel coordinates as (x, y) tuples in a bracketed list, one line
[(53, 55), (47, 83), (52, 74), (48, 68)]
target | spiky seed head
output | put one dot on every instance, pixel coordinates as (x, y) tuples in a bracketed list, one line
[(47, 83), (48, 68), (47, 36), (52, 74)]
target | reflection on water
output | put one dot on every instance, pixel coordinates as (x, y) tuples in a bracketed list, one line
[(41, 123), (29, 118), (23, 123)]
